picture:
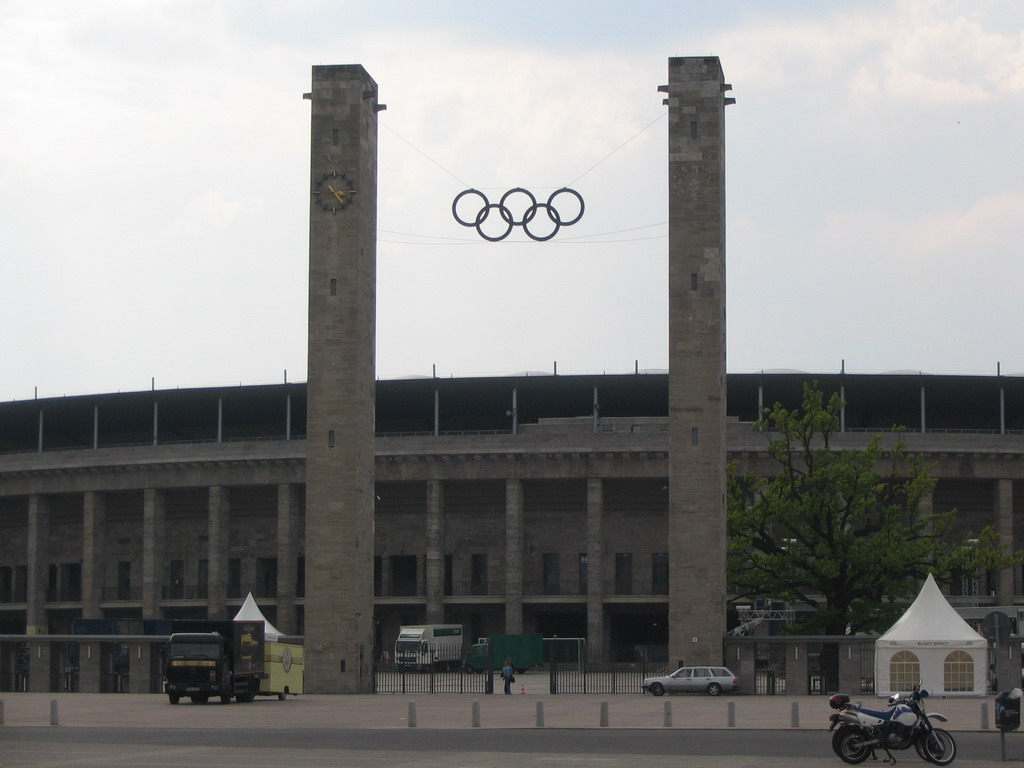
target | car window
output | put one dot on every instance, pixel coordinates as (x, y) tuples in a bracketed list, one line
[(701, 672), (720, 672)]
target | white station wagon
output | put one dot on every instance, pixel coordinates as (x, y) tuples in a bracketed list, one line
[(711, 680)]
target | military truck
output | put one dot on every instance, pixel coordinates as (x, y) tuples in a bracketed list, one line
[(206, 659), (526, 651)]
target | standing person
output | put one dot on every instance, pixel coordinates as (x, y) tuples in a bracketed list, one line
[(507, 676)]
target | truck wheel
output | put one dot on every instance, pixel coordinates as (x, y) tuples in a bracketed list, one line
[(280, 696), (173, 698)]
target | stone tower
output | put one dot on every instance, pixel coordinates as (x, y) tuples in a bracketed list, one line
[(696, 177), (340, 417)]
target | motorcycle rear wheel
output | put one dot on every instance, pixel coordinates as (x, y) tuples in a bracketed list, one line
[(848, 744), (937, 747)]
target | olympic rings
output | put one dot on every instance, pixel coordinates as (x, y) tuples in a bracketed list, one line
[(527, 213)]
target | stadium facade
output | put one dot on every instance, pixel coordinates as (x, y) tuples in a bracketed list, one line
[(576, 506)]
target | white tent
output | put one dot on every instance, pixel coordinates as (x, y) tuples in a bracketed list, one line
[(931, 643), (251, 612)]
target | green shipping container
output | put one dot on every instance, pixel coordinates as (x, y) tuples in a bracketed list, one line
[(526, 652)]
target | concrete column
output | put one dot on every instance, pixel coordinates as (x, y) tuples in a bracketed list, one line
[(1004, 524), (513, 556), (89, 667), (218, 553), (435, 552), (93, 561), (138, 667), (37, 559), (595, 562), (340, 445), (287, 555), (927, 504), (796, 670), (39, 667), (849, 667), (696, 256), (153, 531)]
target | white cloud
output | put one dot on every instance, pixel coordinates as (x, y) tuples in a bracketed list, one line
[(154, 171)]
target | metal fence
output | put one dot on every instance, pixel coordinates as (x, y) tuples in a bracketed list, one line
[(570, 666)]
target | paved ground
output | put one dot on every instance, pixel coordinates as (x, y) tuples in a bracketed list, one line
[(457, 711), (452, 731)]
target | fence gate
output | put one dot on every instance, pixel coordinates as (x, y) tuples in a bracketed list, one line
[(770, 669), (867, 667), (822, 668), (575, 667)]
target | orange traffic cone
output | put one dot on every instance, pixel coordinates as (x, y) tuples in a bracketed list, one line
[(523, 690)]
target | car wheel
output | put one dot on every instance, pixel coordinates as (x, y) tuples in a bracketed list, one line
[(714, 689), (657, 689)]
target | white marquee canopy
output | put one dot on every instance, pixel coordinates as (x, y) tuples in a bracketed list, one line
[(931, 644)]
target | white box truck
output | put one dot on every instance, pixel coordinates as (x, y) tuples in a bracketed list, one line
[(429, 646)]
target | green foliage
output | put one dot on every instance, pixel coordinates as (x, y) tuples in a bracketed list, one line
[(842, 530)]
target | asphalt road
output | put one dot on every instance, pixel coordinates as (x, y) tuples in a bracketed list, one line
[(40, 747)]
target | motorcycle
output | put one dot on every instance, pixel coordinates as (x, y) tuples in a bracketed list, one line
[(905, 724)]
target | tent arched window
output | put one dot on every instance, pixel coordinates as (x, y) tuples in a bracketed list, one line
[(904, 671), (958, 671)]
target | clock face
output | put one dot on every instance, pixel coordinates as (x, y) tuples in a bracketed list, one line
[(334, 192)]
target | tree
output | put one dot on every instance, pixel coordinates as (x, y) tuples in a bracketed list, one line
[(842, 531)]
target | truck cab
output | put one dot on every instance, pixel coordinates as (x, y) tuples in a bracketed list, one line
[(226, 661), (197, 665)]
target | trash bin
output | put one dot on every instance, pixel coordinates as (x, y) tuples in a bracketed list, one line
[(1008, 710)]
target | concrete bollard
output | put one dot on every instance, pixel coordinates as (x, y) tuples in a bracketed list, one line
[(794, 717), (476, 714), (412, 714), (731, 721), (984, 716), (540, 714), (668, 714), (54, 719), (604, 714)]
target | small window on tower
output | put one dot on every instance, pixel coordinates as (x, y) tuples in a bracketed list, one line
[(693, 130), (334, 136), (693, 281), (334, 286)]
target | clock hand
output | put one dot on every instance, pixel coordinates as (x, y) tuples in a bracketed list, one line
[(338, 193)]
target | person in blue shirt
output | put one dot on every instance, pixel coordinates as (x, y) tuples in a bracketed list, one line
[(507, 675)]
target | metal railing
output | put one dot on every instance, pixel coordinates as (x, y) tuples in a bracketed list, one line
[(66, 594), (640, 587), (560, 587), (121, 593), (184, 592)]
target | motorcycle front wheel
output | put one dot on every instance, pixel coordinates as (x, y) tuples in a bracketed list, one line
[(937, 747), (848, 743)]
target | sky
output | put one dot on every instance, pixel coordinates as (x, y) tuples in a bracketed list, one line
[(155, 189)]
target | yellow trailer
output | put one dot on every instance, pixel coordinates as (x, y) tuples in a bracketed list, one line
[(283, 670)]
